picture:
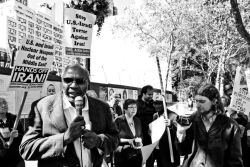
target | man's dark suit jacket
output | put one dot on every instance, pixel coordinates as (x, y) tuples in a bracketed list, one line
[(44, 140)]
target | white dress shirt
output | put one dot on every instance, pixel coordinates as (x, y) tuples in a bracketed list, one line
[(70, 113)]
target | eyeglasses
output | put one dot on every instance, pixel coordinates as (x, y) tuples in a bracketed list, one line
[(199, 101), (77, 80), (51, 90), (132, 107)]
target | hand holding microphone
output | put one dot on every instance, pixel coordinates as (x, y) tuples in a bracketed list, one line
[(79, 107), (79, 104), (90, 139), (77, 125)]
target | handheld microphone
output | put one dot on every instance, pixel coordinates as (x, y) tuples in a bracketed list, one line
[(79, 104)]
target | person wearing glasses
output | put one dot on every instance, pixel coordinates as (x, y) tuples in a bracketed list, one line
[(212, 139), (59, 136), (128, 153), (9, 155)]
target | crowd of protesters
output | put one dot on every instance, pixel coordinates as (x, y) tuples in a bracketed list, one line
[(64, 133)]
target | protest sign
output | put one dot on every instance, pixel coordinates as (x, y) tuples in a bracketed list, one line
[(247, 72), (147, 151), (157, 128), (78, 27), (240, 97), (33, 61), (34, 58)]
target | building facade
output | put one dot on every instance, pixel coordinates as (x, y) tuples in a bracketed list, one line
[(19, 21)]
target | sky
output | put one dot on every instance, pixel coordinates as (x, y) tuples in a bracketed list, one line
[(118, 61)]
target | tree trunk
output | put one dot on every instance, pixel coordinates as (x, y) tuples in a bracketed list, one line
[(222, 85), (222, 75), (238, 21), (217, 81), (169, 58), (159, 72)]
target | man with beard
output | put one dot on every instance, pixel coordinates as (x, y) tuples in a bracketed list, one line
[(60, 136), (212, 139), (145, 113)]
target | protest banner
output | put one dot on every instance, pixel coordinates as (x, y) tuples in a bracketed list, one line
[(157, 128), (247, 72), (34, 58), (78, 27), (33, 61), (147, 150), (240, 98)]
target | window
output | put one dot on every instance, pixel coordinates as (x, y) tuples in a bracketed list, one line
[(19, 12), (39, 21), (21, 34), (11, 38), (47, 25), (21, 20), (38, 27), (31, 24), (30, 12), (25, 2), (40, 15), (47, 37), (57, 29), (57, 41), (12, 31), (47, 31), (11, 23), (47, 19), (55, 34), (22, 27), (31, 31), (28, 16), (58, 35), (38, 34), (20, 41), (30, 36)]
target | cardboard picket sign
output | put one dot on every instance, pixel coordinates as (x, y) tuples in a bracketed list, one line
[(78, 28), (33, 61), (240, 97)]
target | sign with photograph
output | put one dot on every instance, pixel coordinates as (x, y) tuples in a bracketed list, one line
[(78, 27), (240, 97), (103, 93), (123, 93), (33, 61)]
